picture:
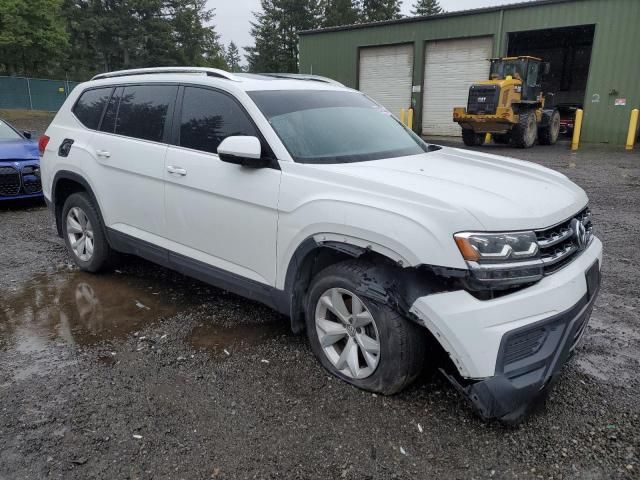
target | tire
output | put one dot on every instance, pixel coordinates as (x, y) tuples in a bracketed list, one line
[(401, 344), (471, 138), (80, 219), (549, 135), (525, 131)]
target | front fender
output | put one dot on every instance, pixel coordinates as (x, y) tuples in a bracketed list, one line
[(397, 236)]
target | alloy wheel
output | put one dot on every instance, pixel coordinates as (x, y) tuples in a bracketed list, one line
[(80, 234), (347, 333)]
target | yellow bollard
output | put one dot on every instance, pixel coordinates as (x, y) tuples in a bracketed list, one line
[(575, 141), (403, 116), (487, 138), (633, 128), (410, 119)]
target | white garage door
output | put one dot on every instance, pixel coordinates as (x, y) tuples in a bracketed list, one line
[(450, 68), (386, 75)]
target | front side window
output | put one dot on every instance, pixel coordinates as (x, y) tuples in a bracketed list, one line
[(89, 107), (208, 117), (143, 110), (8, 133), (335, 126)]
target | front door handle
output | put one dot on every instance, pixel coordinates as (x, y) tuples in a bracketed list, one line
[(103, 154), (176, 170)]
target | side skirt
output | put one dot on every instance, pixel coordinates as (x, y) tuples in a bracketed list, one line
[(270, 296)]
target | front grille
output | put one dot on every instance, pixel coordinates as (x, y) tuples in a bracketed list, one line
[(483, 99), (560, 243), (31, 182), (9, 182)]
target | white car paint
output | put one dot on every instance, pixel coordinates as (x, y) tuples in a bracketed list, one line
[(250, 222)]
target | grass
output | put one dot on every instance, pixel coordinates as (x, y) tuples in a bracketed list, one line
[(32, 120)]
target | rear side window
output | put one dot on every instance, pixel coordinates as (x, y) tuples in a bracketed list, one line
[(208, 117), (142, 111), (89, 107)]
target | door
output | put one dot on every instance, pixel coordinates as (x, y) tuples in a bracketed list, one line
[(130, 151), (450, 68), (221, 214), (386, 75)]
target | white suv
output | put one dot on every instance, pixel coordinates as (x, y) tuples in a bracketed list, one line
[(308, 196)]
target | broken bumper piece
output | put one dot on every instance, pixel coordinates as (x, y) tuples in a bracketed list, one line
[(523, 378)]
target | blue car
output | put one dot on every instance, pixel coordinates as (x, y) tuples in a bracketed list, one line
[(19, 164)]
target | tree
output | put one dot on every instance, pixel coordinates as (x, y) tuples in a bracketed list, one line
[(378, 10), (32, 33), (340, 12), (114, 34), (233, 58), (426, 8), (275, 31)]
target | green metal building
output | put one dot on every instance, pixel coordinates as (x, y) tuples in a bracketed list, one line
[(428, 63)]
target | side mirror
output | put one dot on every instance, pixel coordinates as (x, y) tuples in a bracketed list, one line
[(245, 151), (546, 68), (27, 134)]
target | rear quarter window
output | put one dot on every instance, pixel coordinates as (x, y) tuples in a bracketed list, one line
[(89, 107)]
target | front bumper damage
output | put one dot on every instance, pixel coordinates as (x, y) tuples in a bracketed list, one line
[(523, 378)]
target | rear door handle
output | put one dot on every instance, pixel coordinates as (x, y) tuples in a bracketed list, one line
[(176, 170), (103, 154)]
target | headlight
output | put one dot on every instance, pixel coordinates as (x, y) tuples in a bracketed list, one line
[(500, 260), (497, 247)]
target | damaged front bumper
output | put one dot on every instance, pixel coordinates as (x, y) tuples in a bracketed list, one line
[(521, 378), (507, 351)]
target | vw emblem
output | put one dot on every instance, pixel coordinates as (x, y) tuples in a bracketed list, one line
[(580, 234)]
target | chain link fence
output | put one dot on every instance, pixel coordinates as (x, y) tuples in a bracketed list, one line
[(34, 93)]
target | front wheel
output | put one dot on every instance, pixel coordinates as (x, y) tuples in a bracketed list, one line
[(525, 132), (361, 341)]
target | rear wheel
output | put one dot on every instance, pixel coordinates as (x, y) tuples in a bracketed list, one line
[(471, 138), (84, 234), (525, 132), (549, 135), (361, 341)]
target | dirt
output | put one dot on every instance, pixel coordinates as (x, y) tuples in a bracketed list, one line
[(34, 121), (143, 373)]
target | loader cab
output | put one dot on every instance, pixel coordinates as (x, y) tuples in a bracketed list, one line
[(529, 70)]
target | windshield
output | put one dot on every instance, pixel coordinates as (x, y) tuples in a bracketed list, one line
[(8, 133), (500, 69), (335, 127)]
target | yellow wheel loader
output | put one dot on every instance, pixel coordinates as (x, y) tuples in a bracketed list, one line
[(509, 106)]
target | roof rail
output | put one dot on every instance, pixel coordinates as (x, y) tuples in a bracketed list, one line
[(211, 72), (303, 76)]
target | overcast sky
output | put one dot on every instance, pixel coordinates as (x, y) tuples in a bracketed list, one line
[(233, 16)]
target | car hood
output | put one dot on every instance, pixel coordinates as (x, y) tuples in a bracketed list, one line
[(501, 193), (18, 150)]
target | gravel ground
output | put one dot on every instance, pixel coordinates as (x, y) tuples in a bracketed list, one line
[(143, 373)]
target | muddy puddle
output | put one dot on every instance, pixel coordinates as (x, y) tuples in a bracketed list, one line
[(79, 308), (76, 308)]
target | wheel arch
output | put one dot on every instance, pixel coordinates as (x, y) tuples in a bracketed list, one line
[(393, 280), (66, 183)]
